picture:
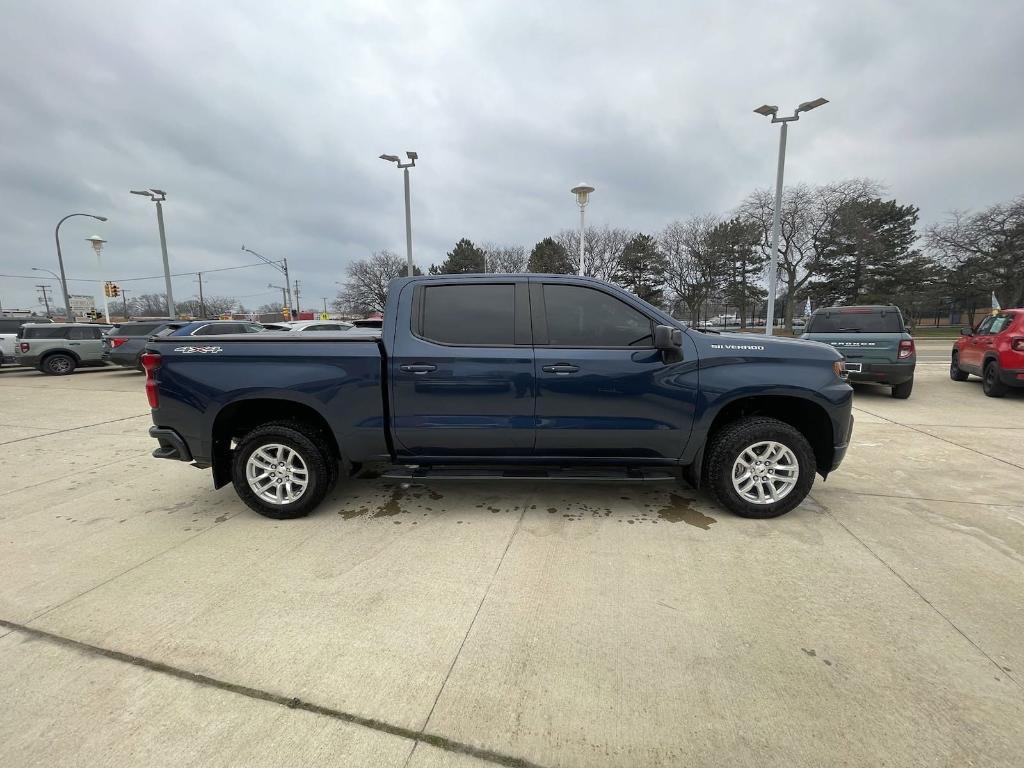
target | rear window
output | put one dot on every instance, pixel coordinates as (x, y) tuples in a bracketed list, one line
[(856, 321), (44, 333), (142, 329), (477, 315)]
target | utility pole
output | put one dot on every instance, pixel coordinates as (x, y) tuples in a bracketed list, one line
[(124, 299), (297, 310), (325, 305), (46, 299), (202, 304)]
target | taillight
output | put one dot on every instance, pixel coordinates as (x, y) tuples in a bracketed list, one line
[(116, 341), (24, 347), (150, 364), (906, 349), (839, 367), (1017, 344)]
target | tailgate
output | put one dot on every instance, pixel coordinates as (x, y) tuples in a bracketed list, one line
[(863, 347)]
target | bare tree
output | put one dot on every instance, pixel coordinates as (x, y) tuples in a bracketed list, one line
[(696, 266), (211, 306), (505, 259), (807, 214), (602, 249), (149, 305), (366, 289)]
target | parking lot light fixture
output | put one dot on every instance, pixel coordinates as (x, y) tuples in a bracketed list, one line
[(69, 314), (158, 196), (582, 192), (771, 111), (413, 157)]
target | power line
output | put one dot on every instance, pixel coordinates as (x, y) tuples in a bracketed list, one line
[(135, 279)]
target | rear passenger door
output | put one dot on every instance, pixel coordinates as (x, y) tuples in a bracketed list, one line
[(86, 342), (462, 378)]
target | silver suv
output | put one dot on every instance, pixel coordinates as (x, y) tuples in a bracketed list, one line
[(59, 348)]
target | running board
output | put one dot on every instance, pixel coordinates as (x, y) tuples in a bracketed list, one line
[(590, 475)]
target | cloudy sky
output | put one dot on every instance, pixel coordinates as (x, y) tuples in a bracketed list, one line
[(263, 121)]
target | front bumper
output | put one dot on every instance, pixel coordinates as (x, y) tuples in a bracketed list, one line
[(839, 451), (172, 445), (882, 373)]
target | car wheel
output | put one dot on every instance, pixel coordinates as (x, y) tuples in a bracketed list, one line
[(990, 383), (955, 372), (58, 365), (760, 467), (902, 391), (283, 470)]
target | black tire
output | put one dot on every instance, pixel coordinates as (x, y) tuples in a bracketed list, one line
[(956, 373), (990, 383), (728, 443), (58, 365), (902, 391), (313, 451)]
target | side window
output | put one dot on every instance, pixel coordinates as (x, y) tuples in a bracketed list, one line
[(468, 314), (585, 317), (77, 334), (1001, 323), (252, 328), (985, 326), (324, 328)]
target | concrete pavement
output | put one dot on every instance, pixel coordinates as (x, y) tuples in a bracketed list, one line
[(149, 620)]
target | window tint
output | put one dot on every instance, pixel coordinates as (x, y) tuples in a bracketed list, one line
[(327, 327), (142, 329), (985, 325), (480, 315), (218, 328), (585, 317), (856, 321), (79, 334), (252, 328), (44, 333), (1001, 323)]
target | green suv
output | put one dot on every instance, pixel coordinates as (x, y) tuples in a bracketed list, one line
[(59, 348), (875, 342)]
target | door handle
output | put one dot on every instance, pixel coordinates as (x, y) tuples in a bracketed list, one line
[(561, 369), (419, 368)]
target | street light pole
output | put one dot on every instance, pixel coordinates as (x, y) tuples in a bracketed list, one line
[(773, 268), (281, 267), (158, 196), (46, 299), (413, 157), (69, 314), (582, 192), (97, 245)]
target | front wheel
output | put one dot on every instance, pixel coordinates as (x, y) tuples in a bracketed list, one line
[(760, 467), (956, 373), (58, 365), (902, 391), (990, 383), (282, 471)]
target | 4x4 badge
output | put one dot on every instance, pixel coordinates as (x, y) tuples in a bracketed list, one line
[(199, 350)]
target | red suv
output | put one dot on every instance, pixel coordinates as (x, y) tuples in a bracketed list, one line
[(994, 350)]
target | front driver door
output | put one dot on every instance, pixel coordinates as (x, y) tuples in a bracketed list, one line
[(462, 377), (603, 390)]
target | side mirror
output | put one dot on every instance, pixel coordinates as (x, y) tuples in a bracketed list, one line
[(667, 338), (966, 332)]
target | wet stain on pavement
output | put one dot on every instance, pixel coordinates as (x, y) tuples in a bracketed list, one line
[(813, 654), (680, 510)]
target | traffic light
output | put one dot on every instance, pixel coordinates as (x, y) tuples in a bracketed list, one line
[(286, 313), (111, 290)]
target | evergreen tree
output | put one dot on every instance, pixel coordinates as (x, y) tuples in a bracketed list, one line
[(464, 258), (734, 244), (550, 258), (642, 269)]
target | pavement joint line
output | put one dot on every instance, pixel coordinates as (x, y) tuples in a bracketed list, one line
[(74, 474), (937, 437), (72, 429), (921, 498), (469, 630), (259, 694), (912, 588)]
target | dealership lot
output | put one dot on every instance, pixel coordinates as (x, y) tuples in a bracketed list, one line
[(147, 619)]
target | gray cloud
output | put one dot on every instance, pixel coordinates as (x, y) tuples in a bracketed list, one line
[(264, 124)]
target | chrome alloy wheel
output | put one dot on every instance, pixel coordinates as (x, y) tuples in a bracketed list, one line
[(765, 472), (277, 474)]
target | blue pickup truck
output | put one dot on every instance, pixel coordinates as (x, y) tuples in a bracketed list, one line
[(524, 376)]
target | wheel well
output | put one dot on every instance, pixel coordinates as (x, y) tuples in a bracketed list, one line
[(810, 418), (238, 418), (52, 352)]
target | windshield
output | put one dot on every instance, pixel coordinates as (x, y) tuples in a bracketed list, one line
[(856, 321)]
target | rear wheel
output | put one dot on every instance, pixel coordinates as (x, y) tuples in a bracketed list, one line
[(990, 383), (902, 391), (58, 365), (956, 373), (283, 470), (760, 467)]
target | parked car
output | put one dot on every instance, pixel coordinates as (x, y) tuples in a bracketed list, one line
[(994, 350), (546, 374), (873, 339), (210, 327), (58, 349), (9, 326), (125, 342), (305, 326)]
